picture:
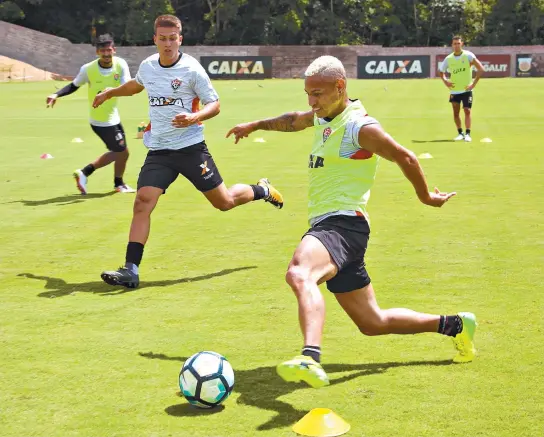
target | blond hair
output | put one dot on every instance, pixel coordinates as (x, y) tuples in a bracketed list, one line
[(327, 66)]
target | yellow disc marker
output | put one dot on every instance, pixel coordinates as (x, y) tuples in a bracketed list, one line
[(321, 422)]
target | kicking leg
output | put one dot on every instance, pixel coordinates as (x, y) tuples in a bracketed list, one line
[(224, 198), (362, 307)]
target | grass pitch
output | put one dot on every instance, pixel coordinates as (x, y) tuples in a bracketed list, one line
[(80, 358)]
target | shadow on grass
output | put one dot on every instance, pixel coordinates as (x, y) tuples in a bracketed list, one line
[(261, 387), (187, 410), (65, 200), (57, 287)]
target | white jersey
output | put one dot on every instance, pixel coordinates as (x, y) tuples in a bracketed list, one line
[(82, 78), (177, 89), (443, 67)]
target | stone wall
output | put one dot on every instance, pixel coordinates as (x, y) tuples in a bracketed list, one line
[(60, 56)]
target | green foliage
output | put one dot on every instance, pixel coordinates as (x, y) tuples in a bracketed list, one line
[(9, 11), (282, 22)]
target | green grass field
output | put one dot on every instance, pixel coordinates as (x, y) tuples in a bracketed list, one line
[(79, 358)]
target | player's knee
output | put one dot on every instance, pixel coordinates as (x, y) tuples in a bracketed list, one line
[(143, 203), (467, 111), (116, 148), (296, 276), (122, 154)]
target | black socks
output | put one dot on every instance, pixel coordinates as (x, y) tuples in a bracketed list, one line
[(313, 352), (88, 170), (135, 252), (258, 192), (450, 325)]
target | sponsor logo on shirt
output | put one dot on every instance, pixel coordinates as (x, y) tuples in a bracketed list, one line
[(165, 101)]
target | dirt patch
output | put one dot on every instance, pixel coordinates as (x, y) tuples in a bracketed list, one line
[(12, 70)]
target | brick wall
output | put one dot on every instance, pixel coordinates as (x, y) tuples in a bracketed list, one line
[(58, 55)]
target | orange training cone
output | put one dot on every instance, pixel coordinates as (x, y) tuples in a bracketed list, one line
[(321, 422)]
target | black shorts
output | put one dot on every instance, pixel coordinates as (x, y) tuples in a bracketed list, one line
[(162, 167), (466, 98), (113, 137), (346, 239)]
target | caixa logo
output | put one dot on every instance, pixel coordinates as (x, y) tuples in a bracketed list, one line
[(392, 67), (236, 67), (233, 67)]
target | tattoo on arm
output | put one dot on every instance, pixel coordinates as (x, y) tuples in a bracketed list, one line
[(288, 122), (283, 123)]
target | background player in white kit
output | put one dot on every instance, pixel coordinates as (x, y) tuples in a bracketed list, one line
[(175, 83)]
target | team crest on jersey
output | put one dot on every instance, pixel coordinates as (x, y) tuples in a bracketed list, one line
[(115, 76), (327, 133), (176, 83)]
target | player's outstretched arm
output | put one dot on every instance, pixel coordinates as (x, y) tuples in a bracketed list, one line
[(374, 139), (127, 89), (289, 122), (67, 90)]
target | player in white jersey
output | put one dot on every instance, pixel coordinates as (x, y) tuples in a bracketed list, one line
[(107, 70), (175, 83)]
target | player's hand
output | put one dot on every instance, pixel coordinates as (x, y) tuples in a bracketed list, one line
[(437, 198), (469, 87), (51, 100), (449, 83), (184, 120), (241, 131), (101, 97)]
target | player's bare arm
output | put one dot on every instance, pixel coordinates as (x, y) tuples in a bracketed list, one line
[(67, 90), (479, 73), (377, 141), (288, 122), (128, 89), (208, 111)]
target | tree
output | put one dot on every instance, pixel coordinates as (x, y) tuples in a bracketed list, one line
[(234, 22), (11, 12)]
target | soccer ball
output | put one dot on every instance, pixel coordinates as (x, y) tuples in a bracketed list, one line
[(206, 379)]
